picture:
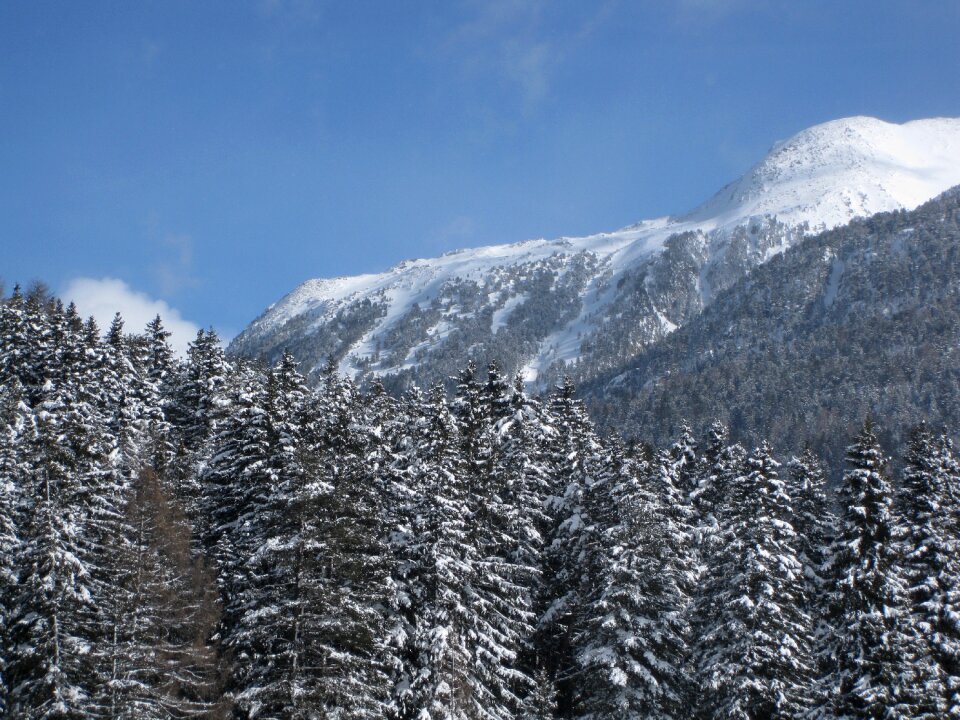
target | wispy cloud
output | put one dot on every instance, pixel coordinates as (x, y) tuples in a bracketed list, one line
[(529, 66), (706, 12), (149, 51), (174, 272), (460, 229), (309, 10), (104, 297), (509, 39)]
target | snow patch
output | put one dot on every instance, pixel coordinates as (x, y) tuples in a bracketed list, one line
[(502, 314), (833, 282)]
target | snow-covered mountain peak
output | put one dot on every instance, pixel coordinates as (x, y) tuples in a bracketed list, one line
[(540, 305), (830, 173)]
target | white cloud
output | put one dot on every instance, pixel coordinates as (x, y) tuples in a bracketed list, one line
[(105, 297)]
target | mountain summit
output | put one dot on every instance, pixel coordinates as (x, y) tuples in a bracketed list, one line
[(580, 305), (854, 167)]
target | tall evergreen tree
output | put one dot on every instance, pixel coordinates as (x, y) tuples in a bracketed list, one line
[(814, 520), (576, 457), (931, 540), (55, 619), (200, 395), (754, 658), (509, 526), (815, 525), (879, 667), (350, 636), (438, 686), (236, 485), (633, 635), (14, 419)]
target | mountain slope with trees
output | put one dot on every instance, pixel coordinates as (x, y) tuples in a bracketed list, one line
[(861, 320)]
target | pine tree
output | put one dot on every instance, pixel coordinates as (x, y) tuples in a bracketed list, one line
[(633, 635), (54, 618), (160, 362), (13, 422), (576, 458), (813, 520), (931, 550), (14, 349), (541, 703), (351, 540), (754, 659), (236, 485), (437, 683), (683, 454), (816, 526), (879, 666), (509, 526), (947, 646), (200, 395), (710, 478)]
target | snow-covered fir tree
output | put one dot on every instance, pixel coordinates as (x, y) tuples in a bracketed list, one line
[(509, 526), (880, 668), (754, 658), (815, 525), (56, 615), (931, 557), (632, 642), (350, 537), (576, 458), (14, 419), (200, 393), (438, 682)]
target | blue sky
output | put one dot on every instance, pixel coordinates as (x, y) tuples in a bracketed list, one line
[(203, 158)]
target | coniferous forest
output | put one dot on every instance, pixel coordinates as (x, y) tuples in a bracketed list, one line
[(210, 538)]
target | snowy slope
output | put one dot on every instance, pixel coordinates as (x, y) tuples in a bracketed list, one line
[(652, 276)]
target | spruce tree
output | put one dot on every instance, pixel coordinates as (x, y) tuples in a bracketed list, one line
[(55, 618), (509, 525), (815, 525), (438, 682), (879, 665), (633, 632), (931, 549), (14, 419), (575, 456), (200, 394), (350, 634), (754, 659), (236, 484)]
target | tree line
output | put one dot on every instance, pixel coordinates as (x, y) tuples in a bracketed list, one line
[(213, 538)]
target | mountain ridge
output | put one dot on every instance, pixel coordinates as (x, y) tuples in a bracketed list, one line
[(574, 305)]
